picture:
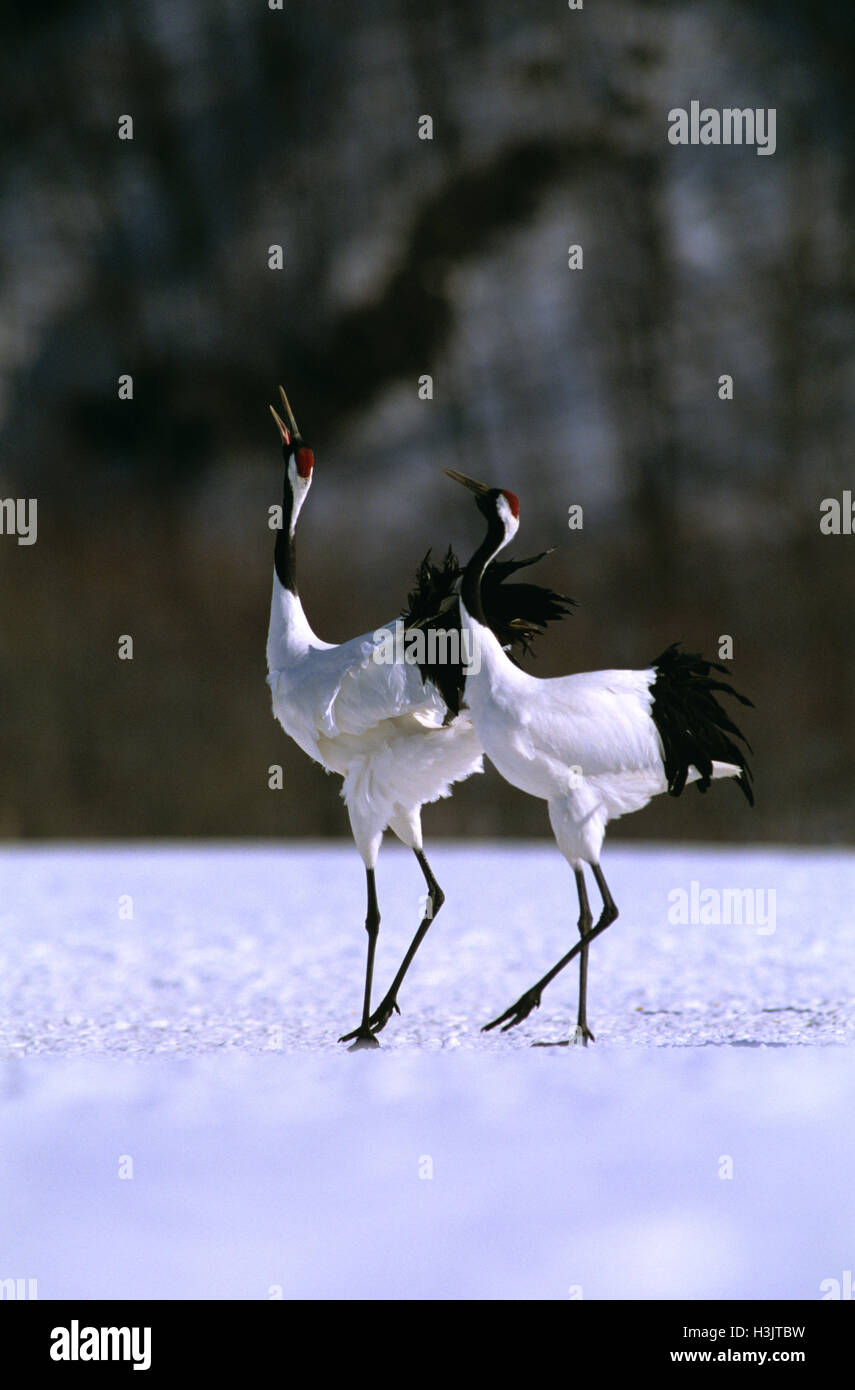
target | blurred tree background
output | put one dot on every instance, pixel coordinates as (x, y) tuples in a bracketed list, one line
[(402, 256)]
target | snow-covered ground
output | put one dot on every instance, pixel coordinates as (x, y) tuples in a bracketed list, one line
[(263, 948), (703, 1147)]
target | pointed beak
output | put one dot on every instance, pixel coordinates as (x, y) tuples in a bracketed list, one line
[(480, 489), (289, 412), (283, 428)]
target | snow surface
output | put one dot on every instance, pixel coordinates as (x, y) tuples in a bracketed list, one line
[(198, 1040), (264, 948)]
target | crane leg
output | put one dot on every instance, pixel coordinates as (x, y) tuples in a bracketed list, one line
[(531, 999), (583, 1032), (363, 1035), (435, 899), (389, 1003)]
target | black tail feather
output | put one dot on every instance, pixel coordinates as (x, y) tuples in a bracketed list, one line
[(694, 729)]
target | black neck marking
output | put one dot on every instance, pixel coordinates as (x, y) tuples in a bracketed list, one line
[(470, 589), (284, 559)]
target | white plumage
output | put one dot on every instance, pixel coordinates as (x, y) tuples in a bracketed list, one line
[(586, 744), (377, 725), (594, 746)]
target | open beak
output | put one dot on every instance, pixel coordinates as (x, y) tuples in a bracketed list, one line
[(478, 488), (287, 434), (283, 428), (289, 412)]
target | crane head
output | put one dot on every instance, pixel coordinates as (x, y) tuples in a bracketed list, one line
[(493, 502), (294, 446)]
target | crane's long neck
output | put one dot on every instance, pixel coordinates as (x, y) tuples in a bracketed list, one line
[(289, 634), (488, 665), (470, 589), (284, 553)]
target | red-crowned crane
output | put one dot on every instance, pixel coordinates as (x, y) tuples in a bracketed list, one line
[(593, 746), (392, 729)]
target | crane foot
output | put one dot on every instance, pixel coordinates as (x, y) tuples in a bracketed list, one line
[(378, 1020), (517, 1012), (361, 1040)]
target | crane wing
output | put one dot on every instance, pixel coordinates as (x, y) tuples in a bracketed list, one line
[(348, 690), (516, 613), (372, 690), (597, 720)]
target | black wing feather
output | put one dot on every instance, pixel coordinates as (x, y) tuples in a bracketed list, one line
[(516, 613)]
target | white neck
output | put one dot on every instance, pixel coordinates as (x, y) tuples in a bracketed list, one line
[(299, 492), (491, 667), (289, 635)]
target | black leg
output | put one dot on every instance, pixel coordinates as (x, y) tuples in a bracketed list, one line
[(531, 999), (583, 1032), (389, 1004), (363, 1035), (609, 905)]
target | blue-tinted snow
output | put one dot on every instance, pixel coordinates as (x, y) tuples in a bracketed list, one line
[(197, 1039), (260, 948)]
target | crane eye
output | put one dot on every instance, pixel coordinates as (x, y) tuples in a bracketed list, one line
[(305, 462)]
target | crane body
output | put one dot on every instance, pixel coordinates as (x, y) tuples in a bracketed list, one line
[(595, 745), (393, 731)]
